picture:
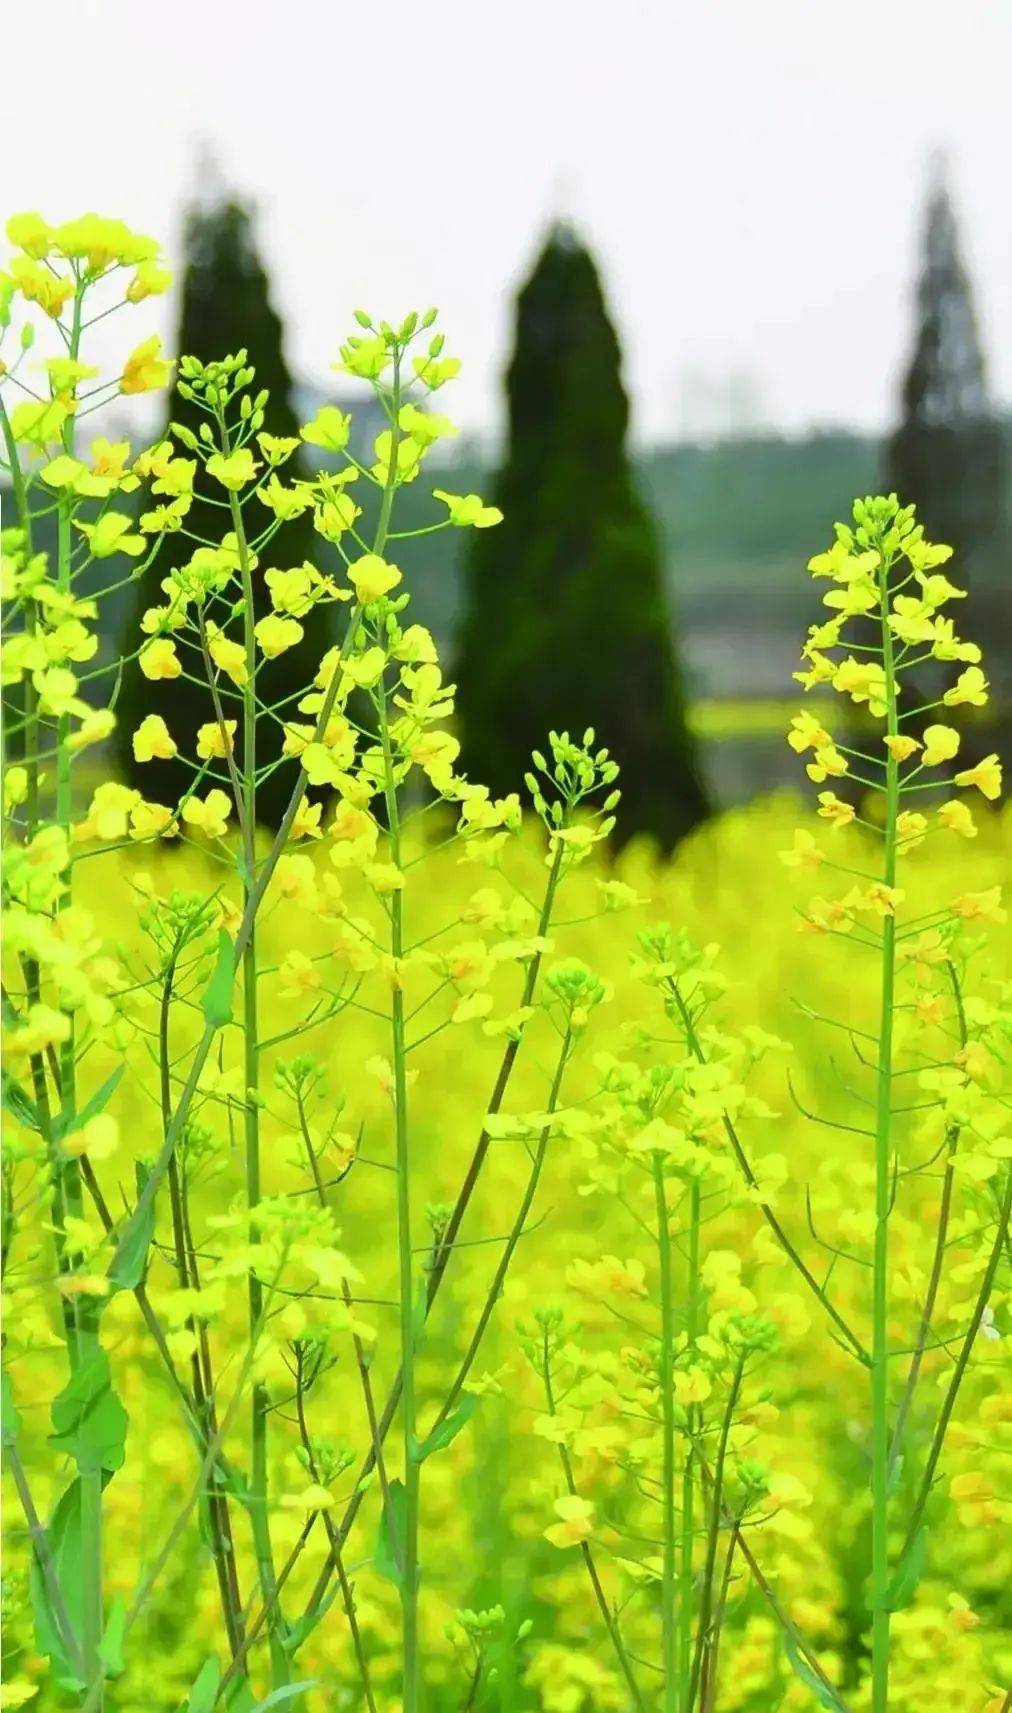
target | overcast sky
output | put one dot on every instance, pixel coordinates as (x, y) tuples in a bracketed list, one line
[(750, 173)]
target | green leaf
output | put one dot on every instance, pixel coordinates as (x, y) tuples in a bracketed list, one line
[(89, 1422), (10, 1421), (110, 1648), (907, 1574), (63, 1537), (218, 993), (19, 1104), (388, 1558), (286, 1692), (824, 1695), (131, 1257), (447, 1431), (205, 1687), (64, 1127)]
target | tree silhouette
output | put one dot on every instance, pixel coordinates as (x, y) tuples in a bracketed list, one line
[(566, 623), (225, 306), (949, 453)]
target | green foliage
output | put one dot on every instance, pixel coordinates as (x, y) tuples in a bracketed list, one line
[(566, 621), (225, 306)]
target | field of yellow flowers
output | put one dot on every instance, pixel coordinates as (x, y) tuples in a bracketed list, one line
[(491, 1496), (447, 1265)]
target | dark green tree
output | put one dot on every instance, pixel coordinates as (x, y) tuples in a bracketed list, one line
[(566, 622), (949, 454), (225, 306)]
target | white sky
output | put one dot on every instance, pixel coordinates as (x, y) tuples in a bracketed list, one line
[(750, 173)]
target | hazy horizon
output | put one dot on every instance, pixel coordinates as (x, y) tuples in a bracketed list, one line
[(752, 181)]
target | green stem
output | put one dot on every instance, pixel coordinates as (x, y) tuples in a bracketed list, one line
[(405, 1262), (85, 1342), (704, 1638), (259, 1403), (685, 1598), (517, 1229), (672, 1613), (411, 1683), (879, 1374)]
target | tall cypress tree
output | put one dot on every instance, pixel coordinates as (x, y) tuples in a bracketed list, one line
[(949, 454), (566, 621), (225, 306), (949, 451)]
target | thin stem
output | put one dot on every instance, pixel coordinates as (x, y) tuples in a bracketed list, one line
[(671, 1611), (685, 1599), (879, 1374), (259, 1404)]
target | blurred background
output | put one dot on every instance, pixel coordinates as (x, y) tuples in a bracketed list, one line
[(711, 268)]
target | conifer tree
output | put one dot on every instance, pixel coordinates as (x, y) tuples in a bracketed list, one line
[(225, 305), (566, 622), (949, 453)]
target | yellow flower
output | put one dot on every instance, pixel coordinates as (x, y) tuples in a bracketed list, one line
[(806, 733), (940, 744), (805, 852), (372, 578), (366, 669), (692, 1386), (275, 635), (235, 471), (468, 510), (298, 975), (828, 764), (209, 816), (108, 811), (97, 1139), (827, 916), (879, 898), (153, 741), (986, 776), (113, 533), (862, 681), (38, 1029), (145, 369), (958, 819), (910, 829), (38, 285), (312, 1498), (962, 1616), (152, 820), (901, 746), (576, 1521), (228, 656), (306, 824), (384, 877), (971, 686), (29, 232), (149, 281), (832, 808), (158, 659), (980, 906), (211, 740), (329, 428), (108, 458)]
